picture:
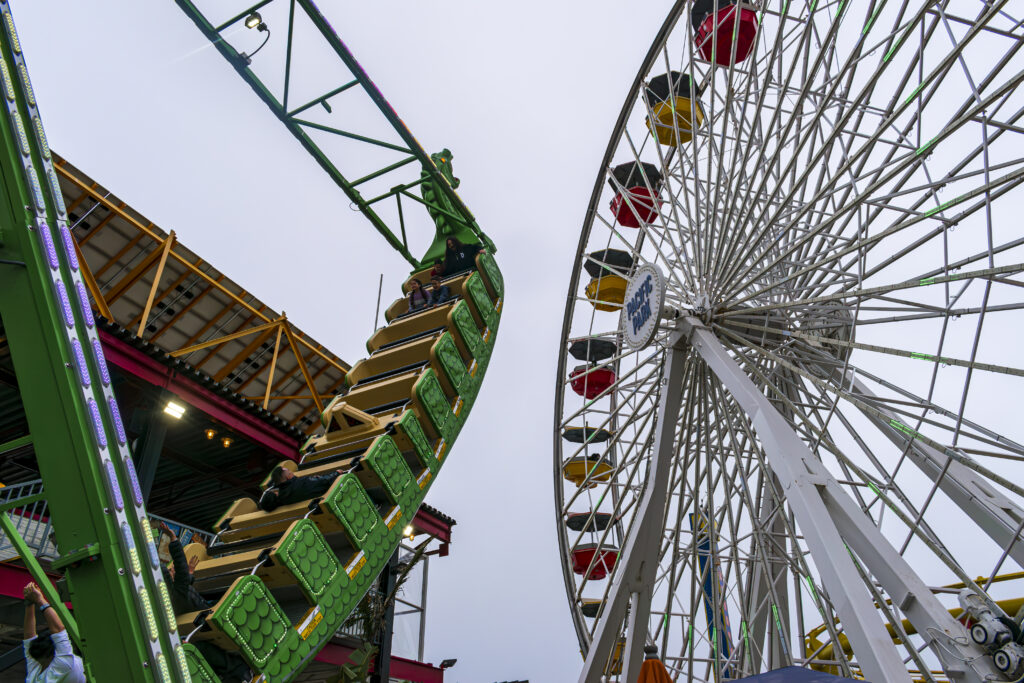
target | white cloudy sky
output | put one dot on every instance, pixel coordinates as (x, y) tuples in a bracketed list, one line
[(524, 94)]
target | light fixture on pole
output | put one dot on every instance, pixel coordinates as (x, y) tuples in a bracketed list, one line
[(255, 21), (174, 409)]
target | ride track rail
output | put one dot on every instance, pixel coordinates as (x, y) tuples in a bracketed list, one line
[(286, 579), (403, 407)]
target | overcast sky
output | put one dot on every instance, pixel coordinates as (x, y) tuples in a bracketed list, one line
[(524, 94)]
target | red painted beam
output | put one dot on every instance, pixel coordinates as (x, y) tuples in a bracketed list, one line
[(13, 579), (134, 362), (405, 669), (428, 523)]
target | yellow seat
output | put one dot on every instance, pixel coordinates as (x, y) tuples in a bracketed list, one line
[(576, 470), (607, 292), (246, 520), (685, 113), (392, 359), (401, 306), (427, 319)]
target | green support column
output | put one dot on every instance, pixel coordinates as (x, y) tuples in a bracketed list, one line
[(75, 423)]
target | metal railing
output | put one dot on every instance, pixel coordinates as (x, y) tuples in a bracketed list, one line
[(32, 522)]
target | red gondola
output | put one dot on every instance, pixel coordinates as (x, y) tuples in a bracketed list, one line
[(589, 382), (641, 184), (716, 30), (603, 557)]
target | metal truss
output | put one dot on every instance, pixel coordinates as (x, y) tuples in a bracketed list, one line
[(402, 165)]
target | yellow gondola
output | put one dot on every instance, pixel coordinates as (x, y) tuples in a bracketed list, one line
[(673, 96), (607, 292), (576, 470)]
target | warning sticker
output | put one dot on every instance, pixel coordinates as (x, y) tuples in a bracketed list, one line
[(307, 625), (356, 564), (393, 517)]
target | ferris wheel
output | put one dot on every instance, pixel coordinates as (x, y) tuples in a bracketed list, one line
[(786, 429)]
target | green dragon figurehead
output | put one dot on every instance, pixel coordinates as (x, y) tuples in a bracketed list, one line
[(443, 161), (443, 211)]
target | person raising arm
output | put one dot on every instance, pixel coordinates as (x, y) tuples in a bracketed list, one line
[(48, 659)]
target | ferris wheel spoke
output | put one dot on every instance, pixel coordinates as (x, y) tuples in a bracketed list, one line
[(916, 355), (906, 409), (894, 428), (757, 236), (876, 292), (991, 188), (963, 116), (890, 484), (773, 124)]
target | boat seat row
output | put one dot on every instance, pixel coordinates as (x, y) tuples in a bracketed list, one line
[(285, 580)]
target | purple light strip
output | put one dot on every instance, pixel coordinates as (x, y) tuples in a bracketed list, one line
[(133, 479), (118, 424), (83, 369), (97, 423), (69, 247), (65, 305), (101, 362), (115, 490), (51, 252), (83, 304)]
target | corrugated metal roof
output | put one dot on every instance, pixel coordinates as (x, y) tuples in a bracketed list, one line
[(196, 313)]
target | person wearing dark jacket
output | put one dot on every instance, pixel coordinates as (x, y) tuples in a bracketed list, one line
[(458, 256), (229, 666), (286, 488), (439, 293)]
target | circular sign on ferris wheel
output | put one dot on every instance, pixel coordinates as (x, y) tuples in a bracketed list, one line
[(641, 306)]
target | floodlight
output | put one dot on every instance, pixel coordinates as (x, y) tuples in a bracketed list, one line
[(174, 409)]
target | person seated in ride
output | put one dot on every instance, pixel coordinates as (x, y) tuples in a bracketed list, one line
[(48, 658), (438, 269), (418, 297), (185, 598), (439, 293), (286, 488), (459, 257)]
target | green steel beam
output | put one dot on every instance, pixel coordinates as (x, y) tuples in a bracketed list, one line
[(38, 575), (72, 415), (298, 126), (15, 444), (22, 502)]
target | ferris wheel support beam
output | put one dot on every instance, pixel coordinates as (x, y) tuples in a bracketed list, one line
[(634, 578), (835, 528), (999, 516)]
